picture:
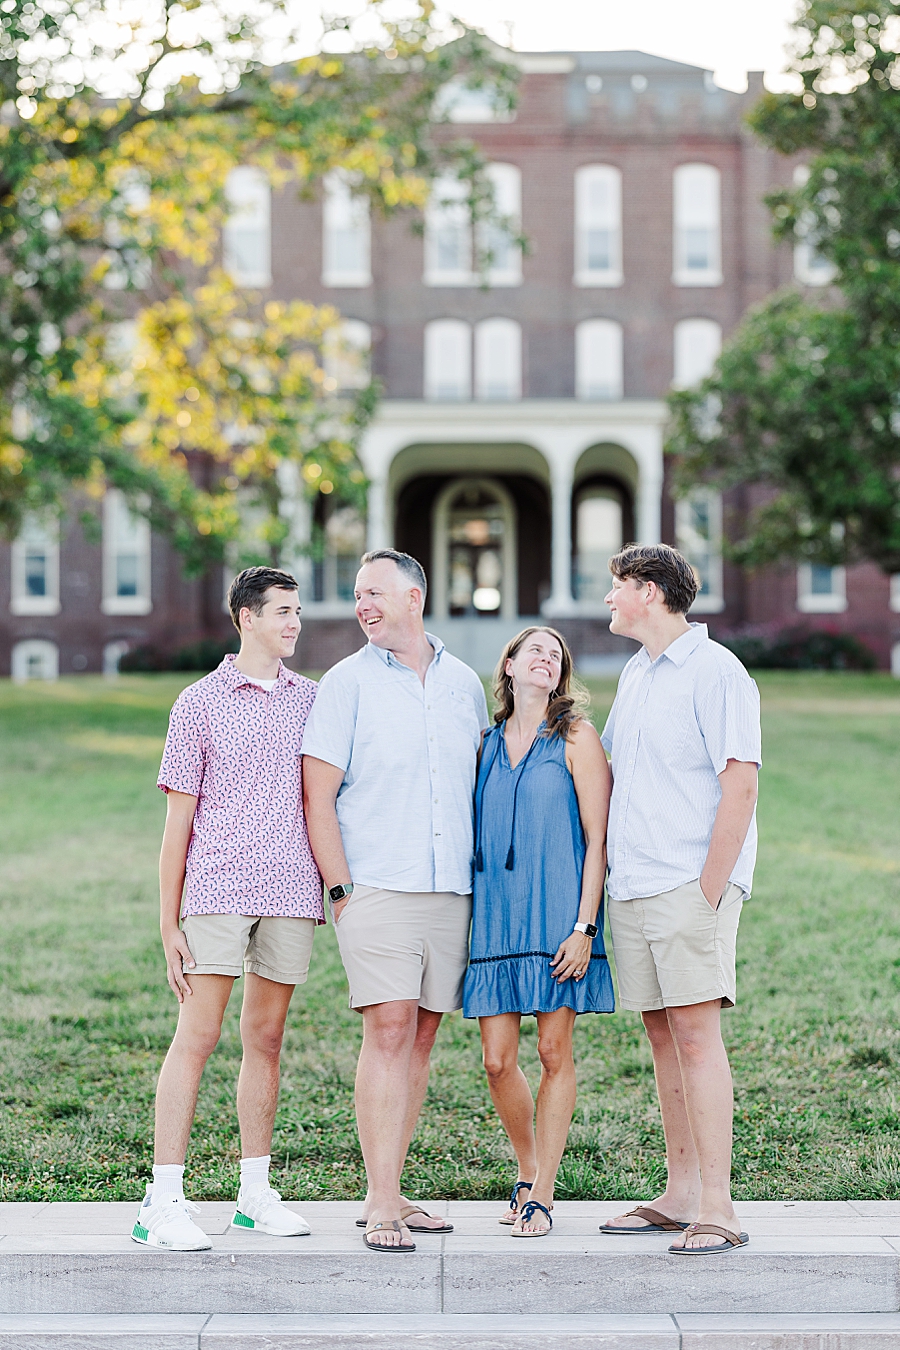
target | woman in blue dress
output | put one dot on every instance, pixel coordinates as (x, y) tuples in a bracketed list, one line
[(541, 803)]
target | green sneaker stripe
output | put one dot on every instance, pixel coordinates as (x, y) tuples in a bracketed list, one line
[(139, 1231), (241, 1221)]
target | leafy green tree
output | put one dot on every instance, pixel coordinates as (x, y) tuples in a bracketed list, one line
[(118, 128), (806, 397)]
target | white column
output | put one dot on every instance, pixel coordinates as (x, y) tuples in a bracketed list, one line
[(649, 507), (378, 528), (561, 602)]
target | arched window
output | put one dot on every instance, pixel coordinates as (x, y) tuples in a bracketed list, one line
[(35, 568), (498, 359), (247, 236), (474, 550), (599, 533), (598, 226), (448, 359), (505, 268), (598, 359), (346, 234), (697, 345), (697, 226), (448, 235), (345, 354), (35, 659)]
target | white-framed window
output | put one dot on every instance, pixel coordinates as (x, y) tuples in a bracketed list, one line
[(598, 359), (35, 659), (126, 558), (821, 589), (698, 534), (697, 345), (129, 265), (895, 592), (35, 568), (448, 360), (498, 359), (810, 267), (505, 268), (247, 233), (344, 541), (346, 234), (448, 235), (346, 351), (697, 235), (459, 102), (598, 226)]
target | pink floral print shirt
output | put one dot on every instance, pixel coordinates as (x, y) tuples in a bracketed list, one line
[(236, 747)]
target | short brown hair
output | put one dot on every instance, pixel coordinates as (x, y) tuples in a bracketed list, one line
[(248, 590), (662, 564), (569, 699)]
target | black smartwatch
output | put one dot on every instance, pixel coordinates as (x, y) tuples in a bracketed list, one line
[(342, 892), (589, 929)]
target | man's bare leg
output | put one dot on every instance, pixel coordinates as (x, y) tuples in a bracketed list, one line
[(419, 1066), (263, 1016), (681, 1198), (510, 1092), (196, 1036), (709, 1102), (382, 1107)]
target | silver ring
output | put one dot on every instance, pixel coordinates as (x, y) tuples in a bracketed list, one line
[(578, 972)]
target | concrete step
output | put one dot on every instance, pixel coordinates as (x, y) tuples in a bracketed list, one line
[(448, 1331), (811, 1258)]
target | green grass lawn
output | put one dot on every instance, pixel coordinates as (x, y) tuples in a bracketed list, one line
[(86, 1015)]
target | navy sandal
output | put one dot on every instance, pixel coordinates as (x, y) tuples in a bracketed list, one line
[(514, 1200), (529, 1209)]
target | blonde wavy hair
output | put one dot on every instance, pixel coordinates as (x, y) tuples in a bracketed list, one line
[(568, 701)]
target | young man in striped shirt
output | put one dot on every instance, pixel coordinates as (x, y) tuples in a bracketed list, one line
[(684, 740)]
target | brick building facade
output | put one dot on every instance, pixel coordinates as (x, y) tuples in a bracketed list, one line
[(520, 436)]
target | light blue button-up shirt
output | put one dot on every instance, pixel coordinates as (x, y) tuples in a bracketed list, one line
[(408, 754), (675, 723)]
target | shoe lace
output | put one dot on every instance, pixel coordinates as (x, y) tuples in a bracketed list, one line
[(179, 1207)]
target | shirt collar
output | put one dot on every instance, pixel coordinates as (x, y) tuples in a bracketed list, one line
[(236, 679), (389, 659), (679, 650)]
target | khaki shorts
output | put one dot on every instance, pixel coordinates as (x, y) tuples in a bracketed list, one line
[(405, 945), (227, 944), (673, 950)]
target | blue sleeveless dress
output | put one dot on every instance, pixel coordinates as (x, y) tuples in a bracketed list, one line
[(528, 864)]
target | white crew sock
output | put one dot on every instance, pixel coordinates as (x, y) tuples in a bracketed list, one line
[(255, 1172), (168, 1180)]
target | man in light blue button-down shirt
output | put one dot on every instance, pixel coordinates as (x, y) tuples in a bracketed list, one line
[(389, 759), (684, 741)]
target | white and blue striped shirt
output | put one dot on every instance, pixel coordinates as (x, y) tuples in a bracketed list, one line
[(674, 725), (408, 754)]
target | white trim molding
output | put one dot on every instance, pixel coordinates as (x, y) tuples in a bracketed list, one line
[(810, 601)]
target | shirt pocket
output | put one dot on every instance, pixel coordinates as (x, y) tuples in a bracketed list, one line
[(465, 714)]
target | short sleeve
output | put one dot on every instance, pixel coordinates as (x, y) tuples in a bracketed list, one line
[(184, 756), (728, 716), (609, 730), (331, 725), (481, 706)]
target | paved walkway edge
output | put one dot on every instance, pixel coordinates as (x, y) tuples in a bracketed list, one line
[(460, 1331)]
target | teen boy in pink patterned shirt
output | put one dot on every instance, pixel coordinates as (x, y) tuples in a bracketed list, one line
[(236, 866)]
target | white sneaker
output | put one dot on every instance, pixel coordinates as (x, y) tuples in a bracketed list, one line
[(262, 1210), (166, 1223)]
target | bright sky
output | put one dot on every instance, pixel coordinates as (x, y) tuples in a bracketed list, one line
[(728, 37)]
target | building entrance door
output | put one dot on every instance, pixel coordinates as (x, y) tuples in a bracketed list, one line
[(475, 551)]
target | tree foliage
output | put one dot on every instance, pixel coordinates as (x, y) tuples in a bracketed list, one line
[(118, 127), (806, 396)]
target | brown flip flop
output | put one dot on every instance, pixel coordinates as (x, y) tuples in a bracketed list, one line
[(656, 1223), (397, 1226), (732, 1240), (405, 1212)]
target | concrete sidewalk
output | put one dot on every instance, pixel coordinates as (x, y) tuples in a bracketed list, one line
[(816, 1275)]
